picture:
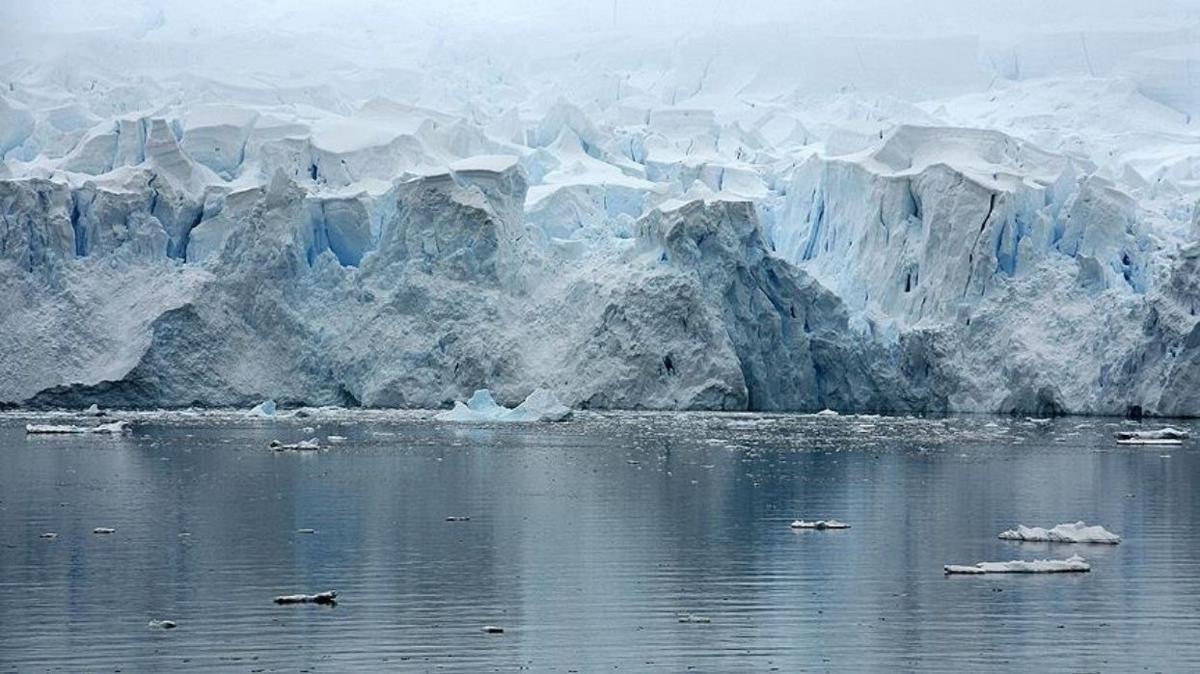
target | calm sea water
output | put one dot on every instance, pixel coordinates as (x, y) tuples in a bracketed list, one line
[(587, 540)]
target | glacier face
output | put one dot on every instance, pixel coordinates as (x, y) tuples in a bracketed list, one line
[(628, 224)]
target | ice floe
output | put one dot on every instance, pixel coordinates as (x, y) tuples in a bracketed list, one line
[(62, 429), (327, 597), (1161, 436), (1074, 563), (541, 405), (309, 445), (266, 408), (1077, 532), (819, 524)]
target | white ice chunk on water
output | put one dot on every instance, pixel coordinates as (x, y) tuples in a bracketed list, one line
[(327, 597), (264, 409), (1161, 436), (1074, 563), (1063, 533), (820, 524), (113, 427), (310, 445), (541, 405)]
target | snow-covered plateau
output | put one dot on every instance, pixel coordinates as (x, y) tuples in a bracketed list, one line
[(377, 207)]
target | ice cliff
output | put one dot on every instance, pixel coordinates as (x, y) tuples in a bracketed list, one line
[(695, 226)]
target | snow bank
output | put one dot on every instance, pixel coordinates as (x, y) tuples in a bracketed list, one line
[(112, 427), (1063, 533), (1073, 563), (541, 405)]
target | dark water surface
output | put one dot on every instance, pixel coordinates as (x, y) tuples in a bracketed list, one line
[(586, 541)]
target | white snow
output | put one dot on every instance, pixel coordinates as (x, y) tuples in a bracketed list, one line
[(1074, 563), (1077, 532), (540, 405)]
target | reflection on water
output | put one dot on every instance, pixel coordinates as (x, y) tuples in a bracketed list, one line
[(588, 540)]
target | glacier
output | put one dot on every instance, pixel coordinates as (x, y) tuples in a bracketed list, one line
[(730, 220)]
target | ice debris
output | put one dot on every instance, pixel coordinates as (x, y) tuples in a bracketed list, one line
[(327, 597), (309, 445), (112, 427), (162, 624), (94, 411), (1161, 436), (1063, 533), (820, 524), (1074, 563), (49, 534), (541, 405), (693, 618), (103, 530), (493, 629), (264, 409)]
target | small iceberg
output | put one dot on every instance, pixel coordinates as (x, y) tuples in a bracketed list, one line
[(310, 445), (541, 405), (328, 597), (1161, 436), (94, 411), (693, 618), (493, 629), (827, 413), (820, 524), (112, 427), (103, 530), (1063, 533), (162, 624), (1074, 563), (264, 409)]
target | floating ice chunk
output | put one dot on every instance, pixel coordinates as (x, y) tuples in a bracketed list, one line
[(1074, 563), (335, 439), (162, 624), (493, 629), (1063, 533), (458, 518), (306, 531), (49, 534), (327, 597), (1161, 436), (541, 405), (103, 530), (112, 427), (310, 445), (820, 524), (264, 409), (827, 413), (94, 411), (693, 618)]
